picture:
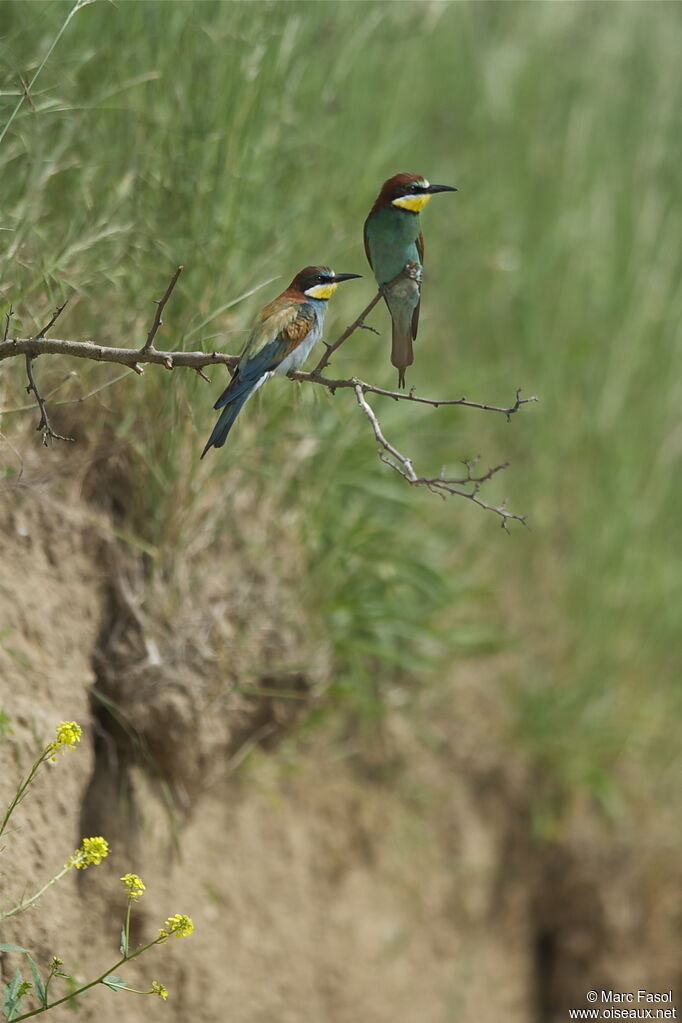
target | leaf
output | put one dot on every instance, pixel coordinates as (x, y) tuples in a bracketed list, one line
[(114, 983), (73, 1003), (38, 981), (11, 1003)]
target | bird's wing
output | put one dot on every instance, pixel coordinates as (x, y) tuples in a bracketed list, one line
[(279, 330), (420, 247), (366, 240), (415, 314)]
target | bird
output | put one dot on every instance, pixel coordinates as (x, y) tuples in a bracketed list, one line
[(280, 341), (394, 245)]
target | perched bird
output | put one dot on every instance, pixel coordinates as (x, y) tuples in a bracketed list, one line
[(393, 241), (280, 341)]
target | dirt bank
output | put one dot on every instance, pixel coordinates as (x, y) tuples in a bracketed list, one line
[(328, 879)]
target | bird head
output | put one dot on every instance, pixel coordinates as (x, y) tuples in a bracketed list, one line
[(408, 192), (318, 282)]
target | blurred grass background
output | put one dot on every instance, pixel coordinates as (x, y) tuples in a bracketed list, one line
[(245, 140)]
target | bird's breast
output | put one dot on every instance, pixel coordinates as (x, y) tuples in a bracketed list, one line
[(392, 241), (295, 359)]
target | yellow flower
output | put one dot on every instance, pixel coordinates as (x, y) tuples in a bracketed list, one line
[(68, 734), (134, 884), (92, 850), (159, 989), (179, 925)]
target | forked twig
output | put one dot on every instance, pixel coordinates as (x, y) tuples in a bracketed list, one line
[(333, 385), (441, 485), (44, 424)]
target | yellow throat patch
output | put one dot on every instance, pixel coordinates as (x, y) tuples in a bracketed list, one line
[(414, 203), (321, 290)]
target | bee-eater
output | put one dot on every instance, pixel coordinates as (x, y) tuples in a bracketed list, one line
[(280, 341), (393, 239)]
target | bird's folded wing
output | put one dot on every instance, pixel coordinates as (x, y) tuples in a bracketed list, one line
[(365, 238), (278, 332), (415, 314)]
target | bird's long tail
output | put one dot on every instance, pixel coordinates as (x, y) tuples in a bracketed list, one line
[(232, 400), (402, 354)]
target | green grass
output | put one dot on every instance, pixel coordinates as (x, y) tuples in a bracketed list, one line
[(245, 140)]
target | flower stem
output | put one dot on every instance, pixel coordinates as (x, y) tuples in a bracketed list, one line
[(27, 902), (21, 791), (93, 983)]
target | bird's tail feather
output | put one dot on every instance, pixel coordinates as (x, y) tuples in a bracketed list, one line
[(227, 417), (402, 354), (234, 390)]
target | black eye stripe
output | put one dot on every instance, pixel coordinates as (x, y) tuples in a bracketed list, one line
[(413, 189)]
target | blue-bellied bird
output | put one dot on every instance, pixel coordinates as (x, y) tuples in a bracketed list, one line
[(280, 341), (393, 241)]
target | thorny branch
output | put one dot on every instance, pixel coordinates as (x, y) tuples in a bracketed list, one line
[(467, 485), (330, 349), (333, 385), (158, 322), (44, 424), (51, 322), (441, 485)]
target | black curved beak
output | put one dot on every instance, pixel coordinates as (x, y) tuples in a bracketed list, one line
[(345, 277), (440, 188)]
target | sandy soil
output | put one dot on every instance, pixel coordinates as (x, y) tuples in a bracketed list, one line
[(327, 881)]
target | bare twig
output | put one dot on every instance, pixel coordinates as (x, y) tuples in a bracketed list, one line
[(51, 322), (149, 343), (408, 271), (441, 485), (330, 349), (8, 316), (44, 424), (135, 358), (333, 385)]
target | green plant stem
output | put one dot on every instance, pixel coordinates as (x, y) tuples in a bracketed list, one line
[(92, 983), (76, 7), (66, 401), (126, 929), (47, 982), (24, 905), (132, 990), (21, 791)]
